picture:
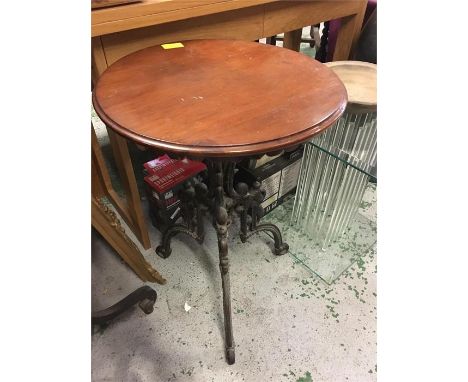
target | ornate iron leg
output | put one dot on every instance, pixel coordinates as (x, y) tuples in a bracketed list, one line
[(164, 250), (251, 200), (221, 224), (144, 296), (192, 213), (281, 248), (221, 197), (322, 52)]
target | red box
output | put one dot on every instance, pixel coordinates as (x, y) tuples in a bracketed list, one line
[(164, 178), (165, 173), (158, 164)]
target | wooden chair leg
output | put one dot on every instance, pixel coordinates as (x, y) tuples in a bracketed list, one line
[(292, 40), (350, 26), (127, 177), (315, 35), (271, 40), (321, 52)]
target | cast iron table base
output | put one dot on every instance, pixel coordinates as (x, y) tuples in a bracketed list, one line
[(144, 296), (216, 193)]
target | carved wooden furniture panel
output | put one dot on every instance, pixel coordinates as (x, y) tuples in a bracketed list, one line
[(106, 221)]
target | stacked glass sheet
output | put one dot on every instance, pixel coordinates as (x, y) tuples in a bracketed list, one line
[(335, 170)]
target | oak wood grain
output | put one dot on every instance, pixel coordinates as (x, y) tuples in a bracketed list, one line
[(292, 40), (98, 59), (283, 16), (98, 4), (219, 98), (154, 12), (127, 177), (240, 24)]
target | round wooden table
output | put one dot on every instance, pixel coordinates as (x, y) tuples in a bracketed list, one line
[(219, 100)]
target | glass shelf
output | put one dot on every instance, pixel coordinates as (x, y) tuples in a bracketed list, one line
[(335, 169), (352, 140), (349, 159), (359, 238)]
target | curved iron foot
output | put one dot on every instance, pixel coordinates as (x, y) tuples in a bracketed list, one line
[(281, 248), (144, 296), (164, 250)]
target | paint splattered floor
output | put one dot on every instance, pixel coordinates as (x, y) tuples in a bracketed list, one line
[(288, 324)]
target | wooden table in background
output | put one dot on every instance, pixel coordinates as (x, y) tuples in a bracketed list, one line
[(121, 30)]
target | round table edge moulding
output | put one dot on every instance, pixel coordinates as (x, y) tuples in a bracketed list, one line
[(243, 150), (223, 151)]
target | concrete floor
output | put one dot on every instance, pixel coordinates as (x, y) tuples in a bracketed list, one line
[(288, 324)]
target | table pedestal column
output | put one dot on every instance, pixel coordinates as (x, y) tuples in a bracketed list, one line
[(222, 198), (222, 221)]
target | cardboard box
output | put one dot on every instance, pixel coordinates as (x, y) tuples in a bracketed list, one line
[(279, 178), (164, 177)]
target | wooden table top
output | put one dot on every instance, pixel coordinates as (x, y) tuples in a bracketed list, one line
[(219, 98)]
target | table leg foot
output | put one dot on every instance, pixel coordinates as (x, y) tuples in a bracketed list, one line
[(230, 356), (251, 200), (144, 296), (281, 248), (146, 305), (164, 250)]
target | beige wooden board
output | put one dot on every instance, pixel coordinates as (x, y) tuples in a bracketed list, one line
[(286, 16), (154, 12), (241, 24), (360, 79), (98, 4)]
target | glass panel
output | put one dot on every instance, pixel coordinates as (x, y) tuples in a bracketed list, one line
[(334, 172), (325, 231), (358, 239)]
